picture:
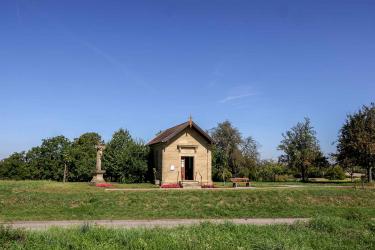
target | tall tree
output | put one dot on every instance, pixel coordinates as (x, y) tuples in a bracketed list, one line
[(47, 160), (250, 147), (125, 159), (32, 160), (83, 156), (356, 143), (250, 157), (301, 147), (228, 141), (68, 162), (220, 168)]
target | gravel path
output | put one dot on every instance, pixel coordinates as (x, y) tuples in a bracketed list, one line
[(41, 225)]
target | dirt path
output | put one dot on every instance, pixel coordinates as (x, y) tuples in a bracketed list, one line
[(41, 225)]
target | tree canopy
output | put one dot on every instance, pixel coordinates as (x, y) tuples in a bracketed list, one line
[(47, 160), (301, 147), (125, 159), (14, 167), (356, 142), (232, 154), (83, 156)]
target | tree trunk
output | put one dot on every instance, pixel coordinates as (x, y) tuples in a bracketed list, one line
[(303, 174), (65, 172), (369, 173)]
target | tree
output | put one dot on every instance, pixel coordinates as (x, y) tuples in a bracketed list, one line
[(233, 153), (227, 141), (68, 161), (319, 166), (356, 142), (125, 159), (83, 156), (47, 160), (301, 147), (32, 159), (14, 167), (220, 164), (250, 157), (249, 148)]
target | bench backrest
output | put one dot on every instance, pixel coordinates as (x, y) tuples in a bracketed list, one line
[(239, 179)]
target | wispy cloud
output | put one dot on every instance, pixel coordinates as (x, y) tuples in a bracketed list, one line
[(236, 97), (121, 67), (110, 59)]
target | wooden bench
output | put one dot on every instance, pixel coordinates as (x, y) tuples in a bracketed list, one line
[(237, 181)]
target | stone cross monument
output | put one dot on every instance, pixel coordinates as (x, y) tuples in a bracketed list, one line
[(98, 174)]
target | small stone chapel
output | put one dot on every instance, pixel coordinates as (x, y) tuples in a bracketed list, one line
[(182, 155)]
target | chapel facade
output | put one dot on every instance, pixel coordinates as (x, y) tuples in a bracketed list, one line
[(182, 155)]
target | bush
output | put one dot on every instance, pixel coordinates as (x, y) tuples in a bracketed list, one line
[(335, 173), (222, 174), (271, 171), (283, 178), (315, 172)]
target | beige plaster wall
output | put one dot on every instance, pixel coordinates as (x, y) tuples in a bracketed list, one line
[(171, 155)]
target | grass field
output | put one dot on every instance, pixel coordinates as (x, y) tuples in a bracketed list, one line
[(288, 183), (320, 233), (43, 200)]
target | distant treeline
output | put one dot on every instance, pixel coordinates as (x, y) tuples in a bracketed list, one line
[(302, 157), (126, 159), (235, 156)]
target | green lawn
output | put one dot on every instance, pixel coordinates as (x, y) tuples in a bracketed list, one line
[(320, 233), (43, 200), (288, 183)]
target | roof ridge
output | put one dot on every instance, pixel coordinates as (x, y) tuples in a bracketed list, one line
[(174, 126), (171, 132)]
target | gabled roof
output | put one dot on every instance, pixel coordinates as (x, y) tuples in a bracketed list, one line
[(170, 133)]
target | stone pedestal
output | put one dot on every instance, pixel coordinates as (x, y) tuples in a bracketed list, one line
[(98, 177), (98, 173)]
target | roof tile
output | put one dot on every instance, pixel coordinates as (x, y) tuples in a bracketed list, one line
[(170, 133)]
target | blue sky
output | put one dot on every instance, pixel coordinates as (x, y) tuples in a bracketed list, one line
[(69, 67)]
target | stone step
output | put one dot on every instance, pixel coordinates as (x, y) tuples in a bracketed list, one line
[(191, 184), (192, 187)]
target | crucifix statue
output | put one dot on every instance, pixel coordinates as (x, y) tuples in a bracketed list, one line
[(98, 174)]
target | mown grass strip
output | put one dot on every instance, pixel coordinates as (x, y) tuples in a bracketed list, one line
[(320, 233)]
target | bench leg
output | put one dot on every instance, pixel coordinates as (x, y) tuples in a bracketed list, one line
[(247, 184)]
